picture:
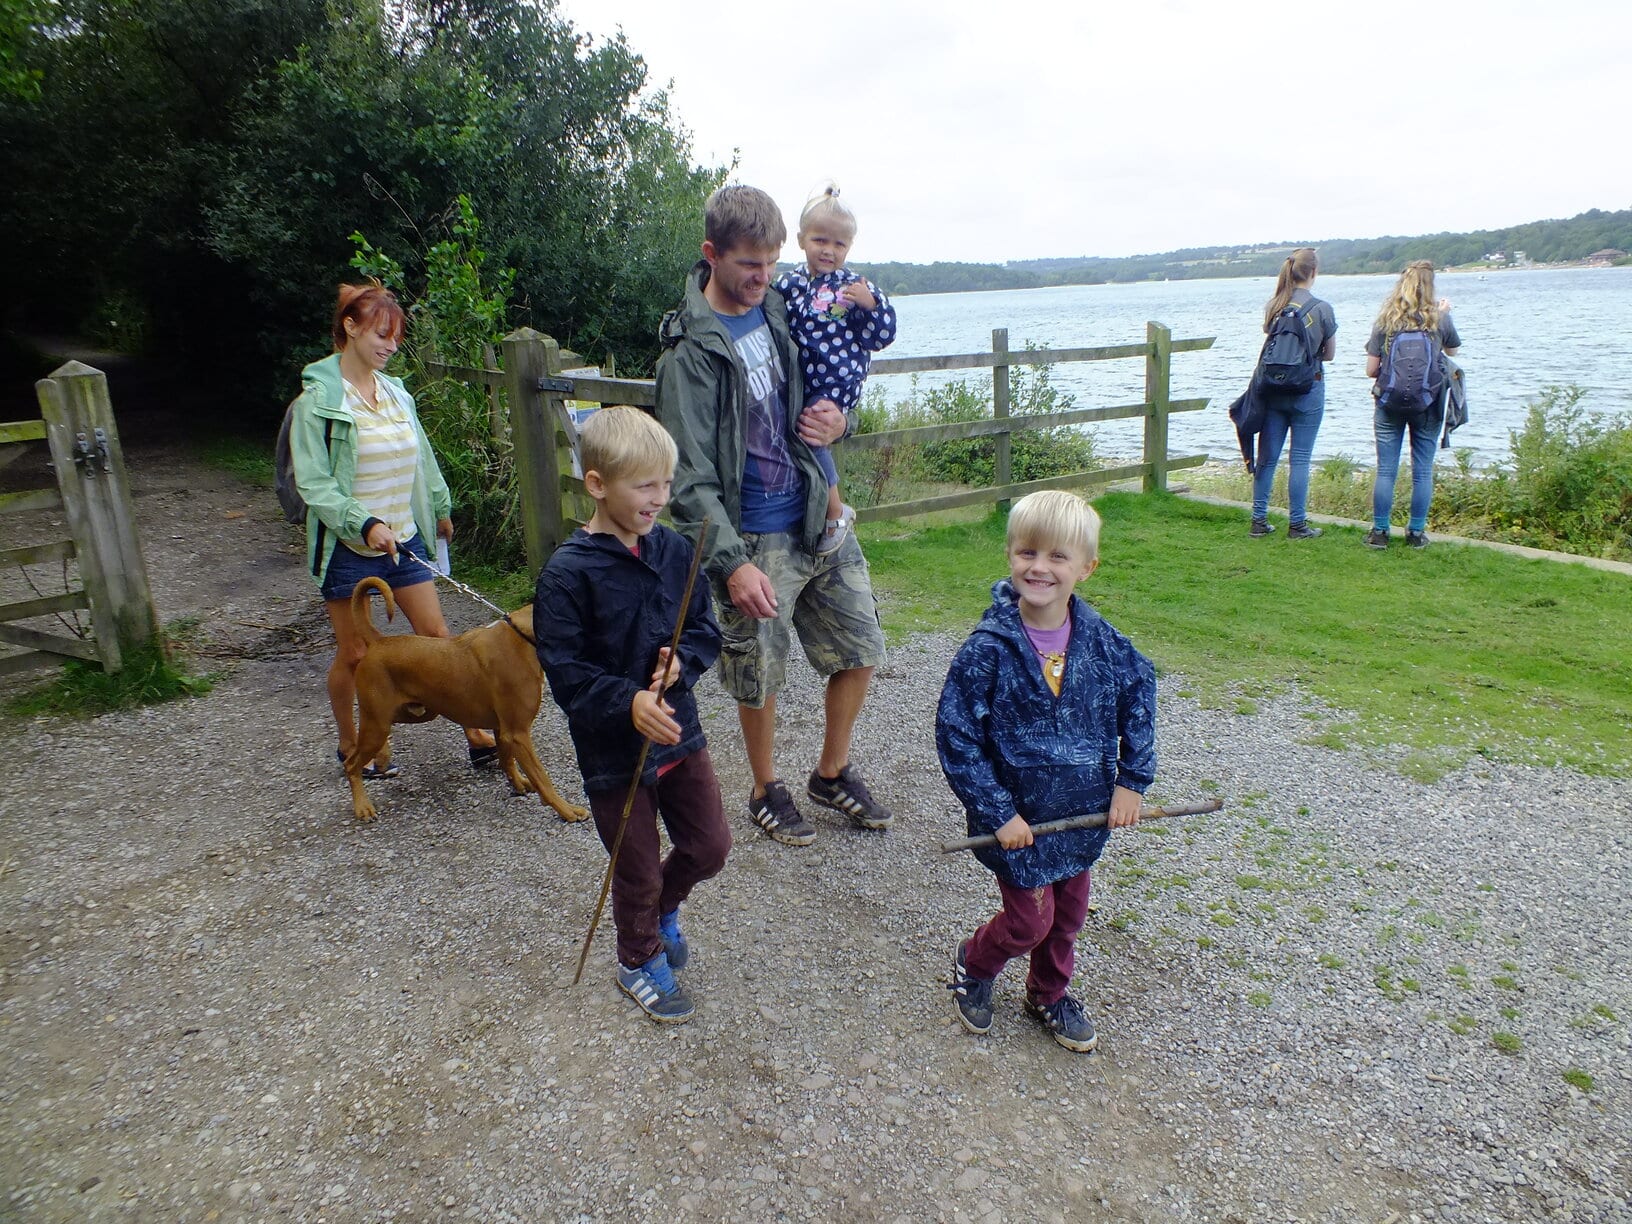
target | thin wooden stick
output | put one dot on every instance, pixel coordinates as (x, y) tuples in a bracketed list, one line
[(1094, 820), (640, 761)]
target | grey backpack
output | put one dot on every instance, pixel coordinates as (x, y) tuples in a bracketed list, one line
[(283, 466)]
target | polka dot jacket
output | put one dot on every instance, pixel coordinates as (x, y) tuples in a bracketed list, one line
[(836, 340)]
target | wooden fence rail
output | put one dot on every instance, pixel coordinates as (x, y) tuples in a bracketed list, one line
[(92, 491), (544, 432)]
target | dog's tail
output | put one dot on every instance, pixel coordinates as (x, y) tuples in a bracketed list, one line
[(359, 608)]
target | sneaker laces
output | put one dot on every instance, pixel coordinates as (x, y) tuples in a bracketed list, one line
[(1066, 1012), (850, 781), (977, 992), (779, 803)]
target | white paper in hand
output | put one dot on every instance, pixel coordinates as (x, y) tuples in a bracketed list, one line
[(442, 564)]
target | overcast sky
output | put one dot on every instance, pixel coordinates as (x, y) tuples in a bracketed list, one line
[(1031, 128)]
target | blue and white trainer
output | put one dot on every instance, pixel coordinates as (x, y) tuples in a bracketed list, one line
[(675, 946), (653, 987), (972, 995), (1067, 1020)]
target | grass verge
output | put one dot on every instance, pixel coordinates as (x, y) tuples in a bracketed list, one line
[(1451, 650), (83, 690)]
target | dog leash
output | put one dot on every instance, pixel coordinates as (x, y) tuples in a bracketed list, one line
[(476, 595)]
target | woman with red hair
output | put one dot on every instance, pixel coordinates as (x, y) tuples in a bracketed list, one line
[(373, 492)]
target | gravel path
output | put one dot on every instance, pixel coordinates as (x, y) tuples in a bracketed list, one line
[(1348, 996)]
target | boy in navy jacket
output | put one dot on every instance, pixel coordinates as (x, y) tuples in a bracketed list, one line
[(603, 614), (1047, 712)]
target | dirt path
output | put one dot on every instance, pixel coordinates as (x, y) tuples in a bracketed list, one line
[(222, 999)]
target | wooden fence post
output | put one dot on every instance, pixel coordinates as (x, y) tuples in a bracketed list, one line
[(533, 433), (1158, 380), (1003, 471), (90, 466)]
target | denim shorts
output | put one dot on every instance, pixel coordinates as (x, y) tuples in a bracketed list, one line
[(347, 569), (828, 600)]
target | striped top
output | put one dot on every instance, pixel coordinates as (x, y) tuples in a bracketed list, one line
[(387, 458)]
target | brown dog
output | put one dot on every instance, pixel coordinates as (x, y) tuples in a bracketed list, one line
[(488, 677)]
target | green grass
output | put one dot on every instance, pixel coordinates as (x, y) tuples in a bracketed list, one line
[(1577, 1078), (84, 690), (1450, 650), (248, 458)]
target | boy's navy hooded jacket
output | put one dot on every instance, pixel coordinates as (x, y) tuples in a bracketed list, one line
[(1009, 746), (600, 615)]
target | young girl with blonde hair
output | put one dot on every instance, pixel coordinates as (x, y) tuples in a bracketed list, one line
[(839, 319)]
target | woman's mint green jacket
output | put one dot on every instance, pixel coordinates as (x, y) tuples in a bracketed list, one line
[(323, 444)]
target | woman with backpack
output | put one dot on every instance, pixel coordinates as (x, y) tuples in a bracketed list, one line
[(373, 492), (1301, 335), (1403, 355)]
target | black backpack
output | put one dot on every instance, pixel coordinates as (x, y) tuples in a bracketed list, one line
[(1411, 375), (283, 466), (1290, 361)]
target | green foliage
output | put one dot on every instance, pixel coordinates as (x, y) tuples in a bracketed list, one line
[(1569, 484), (453, 317), (208, 160), (1577, 1078), (1035, 454), (21, 23), (83, 690), (1507, 1043)]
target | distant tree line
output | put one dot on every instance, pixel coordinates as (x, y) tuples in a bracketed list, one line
[(186, 175), (1540, 241)]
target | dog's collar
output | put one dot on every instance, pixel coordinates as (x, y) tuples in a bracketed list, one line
[(526, 637)]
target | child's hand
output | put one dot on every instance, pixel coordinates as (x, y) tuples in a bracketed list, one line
[(1125, 808), (665, 676), (654, 718), (1015, 834), (858, 294), (1444, 305)]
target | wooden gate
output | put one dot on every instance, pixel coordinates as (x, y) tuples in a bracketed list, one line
[(94, 495)]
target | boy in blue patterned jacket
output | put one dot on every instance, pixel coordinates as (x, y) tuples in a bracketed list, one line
[(1047, 712), (839, 319)]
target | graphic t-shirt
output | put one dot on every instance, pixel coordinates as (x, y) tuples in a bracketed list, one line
[(1050, 646), (773, 488)]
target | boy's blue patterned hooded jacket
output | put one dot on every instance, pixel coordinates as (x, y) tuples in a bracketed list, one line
[(1008, 745)]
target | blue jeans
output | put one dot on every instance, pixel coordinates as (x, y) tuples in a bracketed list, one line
[(1300, 416), (1424, 440)]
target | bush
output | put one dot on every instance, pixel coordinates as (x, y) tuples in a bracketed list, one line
[(1569, 481), (1035, 454), (454, 320)]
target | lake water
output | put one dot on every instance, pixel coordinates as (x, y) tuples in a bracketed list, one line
[(1521, 331)]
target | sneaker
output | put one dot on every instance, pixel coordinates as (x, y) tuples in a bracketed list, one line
[(833, 534), (370, 772), (1417, 539), (1066, 1019), (675, 946), (847, 793), (774, 812), (1377, 537), (1261, 527), (1302, 531), (972, 995), (652, 985)]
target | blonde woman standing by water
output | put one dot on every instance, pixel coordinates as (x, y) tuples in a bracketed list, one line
[(1296, 413), (1403, 356)]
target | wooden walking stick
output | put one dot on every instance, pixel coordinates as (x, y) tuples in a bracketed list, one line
[(1094, 820), (640, 761)]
